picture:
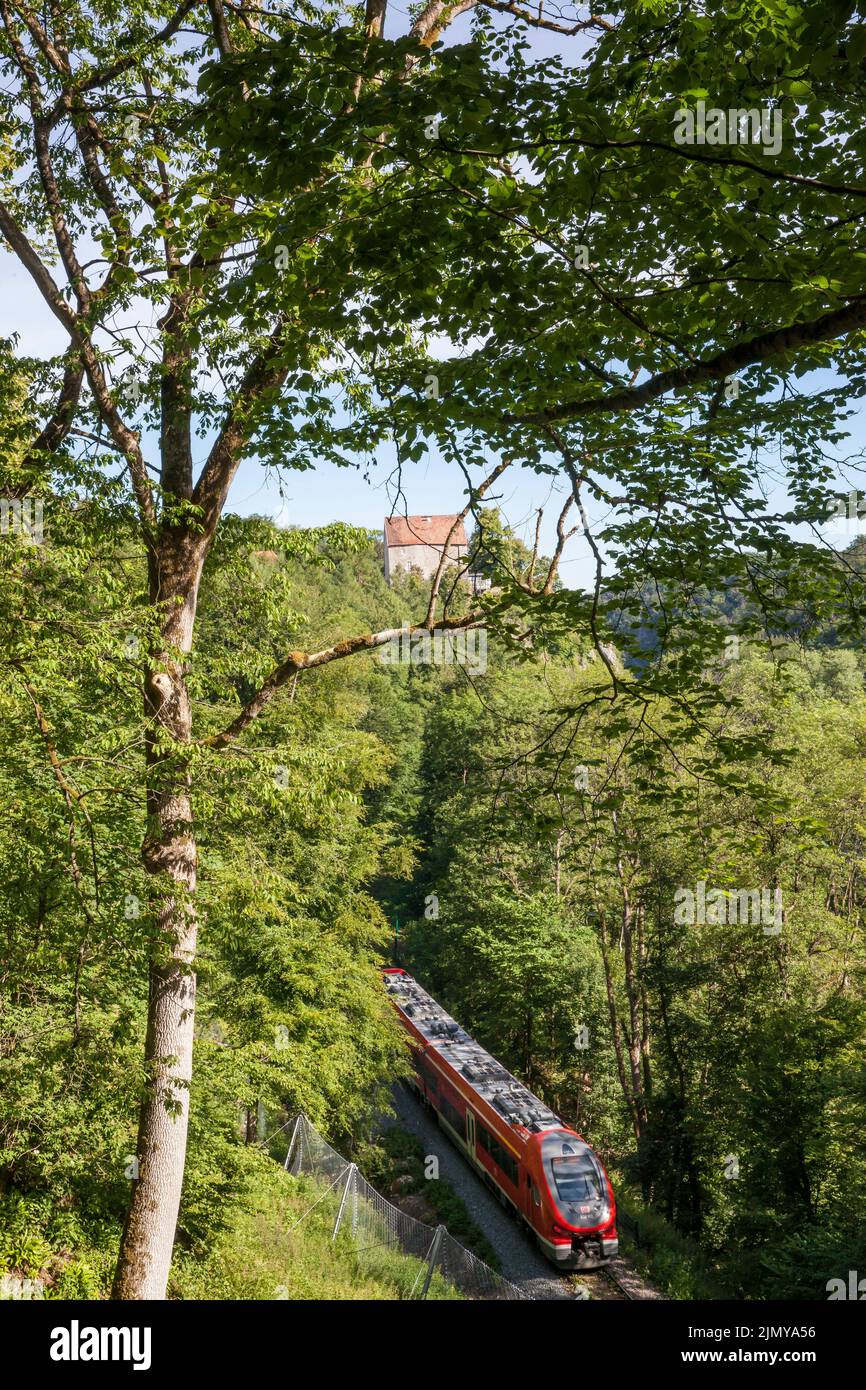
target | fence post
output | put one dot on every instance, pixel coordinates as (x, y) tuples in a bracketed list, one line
[(432, 1257), (292, 1143), (350, 1173), (355, 1207)]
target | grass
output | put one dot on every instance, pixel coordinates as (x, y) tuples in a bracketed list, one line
[(281, 1247), (275, 1243), (395, 1165)]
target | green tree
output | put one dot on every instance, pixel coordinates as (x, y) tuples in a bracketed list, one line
[(249, 192)]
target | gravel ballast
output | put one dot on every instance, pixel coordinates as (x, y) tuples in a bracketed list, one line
[(520, 1260)]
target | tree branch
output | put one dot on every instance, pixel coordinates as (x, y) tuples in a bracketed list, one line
[(126, 439), (58, 427), (303, 661), (435, 17), (263, 377), (537, 22), (53, 200), (99, 79), (561, 537), (297, 661), (220, 28), (458, 520), (762, 348)]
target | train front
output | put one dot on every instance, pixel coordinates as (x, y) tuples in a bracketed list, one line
[(580, 1207)]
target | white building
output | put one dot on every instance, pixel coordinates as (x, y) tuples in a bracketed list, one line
[(417, 542)]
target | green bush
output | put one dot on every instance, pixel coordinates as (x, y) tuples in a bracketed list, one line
[(670, 1261)]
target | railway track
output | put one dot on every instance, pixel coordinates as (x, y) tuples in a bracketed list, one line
[(617, 1282), (599, 1286), (621, 1291)]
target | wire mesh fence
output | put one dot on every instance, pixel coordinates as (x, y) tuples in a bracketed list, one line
[(377, 1230)]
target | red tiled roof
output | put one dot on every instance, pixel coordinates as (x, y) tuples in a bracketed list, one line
[(423, 530)]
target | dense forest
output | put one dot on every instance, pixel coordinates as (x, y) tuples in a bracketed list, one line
[(454, 822), (616, 257)]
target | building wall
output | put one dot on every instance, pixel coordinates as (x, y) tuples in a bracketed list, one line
[(422, 557)]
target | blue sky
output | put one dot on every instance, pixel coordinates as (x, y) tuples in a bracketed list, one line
[(328, 493)]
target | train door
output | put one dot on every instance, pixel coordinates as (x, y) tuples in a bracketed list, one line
[(470, 1132), (533, 1203)]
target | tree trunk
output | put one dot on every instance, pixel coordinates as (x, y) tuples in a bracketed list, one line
[(637, 1056), (615, 1033), (169, 855)]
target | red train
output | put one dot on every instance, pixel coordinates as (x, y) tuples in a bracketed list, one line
[(540, 1168)]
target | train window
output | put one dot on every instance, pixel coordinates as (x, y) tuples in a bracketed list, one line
[(508, 1165), (536, 1196), (577, 1179), (500, 1155), (452, 1116)]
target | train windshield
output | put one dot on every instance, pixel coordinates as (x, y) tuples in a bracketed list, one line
[(577, 1179)]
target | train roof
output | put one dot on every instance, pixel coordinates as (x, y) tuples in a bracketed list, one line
[(511, 1100)]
